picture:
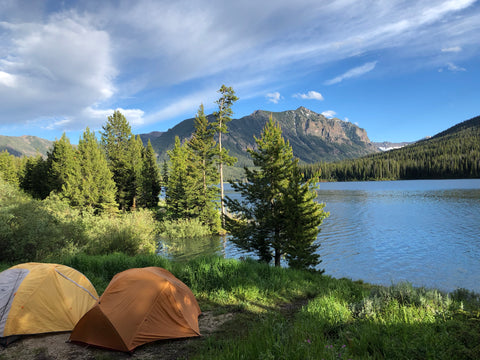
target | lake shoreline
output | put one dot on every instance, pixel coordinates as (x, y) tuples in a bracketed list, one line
[(260, 309)]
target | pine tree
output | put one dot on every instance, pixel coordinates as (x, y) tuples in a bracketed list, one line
[(202, 171), (136, 151), (91, 183), (34, 178), (150, 179), (268, 220), (165, 174), (176, 191), (60, 161), (261, 224), (117, 143), (223, 116), (303, 216), (8, 169)]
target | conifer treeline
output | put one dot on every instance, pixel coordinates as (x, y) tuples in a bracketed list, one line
[(118, 173), (115, 173), (451, 154)]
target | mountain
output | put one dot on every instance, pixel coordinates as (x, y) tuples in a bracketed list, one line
[(467, 127), (453, 153), (24, 145), (150, 136), (313, 137)]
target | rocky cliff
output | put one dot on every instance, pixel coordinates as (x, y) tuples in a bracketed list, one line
[(312, 136)]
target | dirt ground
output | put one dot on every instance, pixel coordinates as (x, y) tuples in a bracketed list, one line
[(57, 347)]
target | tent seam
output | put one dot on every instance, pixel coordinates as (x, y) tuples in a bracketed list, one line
[(77, 284)]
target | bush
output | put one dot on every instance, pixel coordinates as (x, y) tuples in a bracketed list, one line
[(30, 229), (129, 233), (35, 230), (183, 228)]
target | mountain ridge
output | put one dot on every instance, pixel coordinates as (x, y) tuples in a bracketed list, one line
[(25, 145), (313, 137)]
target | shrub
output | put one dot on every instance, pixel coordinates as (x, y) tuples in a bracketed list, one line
[(31, 229), (129, 233), (35, 230), (183, 228)]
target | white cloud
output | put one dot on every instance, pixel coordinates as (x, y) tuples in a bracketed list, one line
[(434, 13), (452, 49), (329, 113), (89, 55), (57, 124), (54, 69), (311, 95), (186, 106), (454, 68), (7, 79), (89, 117), (274, 97), (355, 72)]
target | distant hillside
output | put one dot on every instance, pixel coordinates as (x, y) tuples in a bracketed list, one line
[(24, 145), (150, 136), (463, 128), (312, 136), (453, 153)]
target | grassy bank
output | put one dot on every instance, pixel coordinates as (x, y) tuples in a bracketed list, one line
[(285, 314)]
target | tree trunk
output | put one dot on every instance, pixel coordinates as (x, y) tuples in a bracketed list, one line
[(222, 205), (278, 256)]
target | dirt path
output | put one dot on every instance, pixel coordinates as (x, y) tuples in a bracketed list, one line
[(57, 347)]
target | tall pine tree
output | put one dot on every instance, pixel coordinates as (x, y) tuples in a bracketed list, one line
[(60, 162), (91, 184), (136, 150), (202, 165), (223, 116), (149, 179), (119, 145), (268, 220), (176, 193), (302, 216), (34, 177)]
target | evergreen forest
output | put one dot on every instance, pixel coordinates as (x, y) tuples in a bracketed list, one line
[(454, 153)]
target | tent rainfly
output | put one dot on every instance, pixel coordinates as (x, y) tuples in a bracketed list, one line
[(139, 305), (40, 298)]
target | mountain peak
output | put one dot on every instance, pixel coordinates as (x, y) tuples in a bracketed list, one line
[(303, 109)]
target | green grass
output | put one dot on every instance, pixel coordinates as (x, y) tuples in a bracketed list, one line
[(287, 314)]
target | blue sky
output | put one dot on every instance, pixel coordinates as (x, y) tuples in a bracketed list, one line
[(402, 70)]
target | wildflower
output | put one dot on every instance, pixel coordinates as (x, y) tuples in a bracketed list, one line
[(309, 341)]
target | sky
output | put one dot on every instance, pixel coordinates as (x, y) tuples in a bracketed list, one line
[(401, 70)]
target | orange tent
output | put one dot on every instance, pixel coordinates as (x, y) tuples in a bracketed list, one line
[(137, 307)]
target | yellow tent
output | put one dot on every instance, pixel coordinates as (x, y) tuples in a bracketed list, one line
[(39, 298)]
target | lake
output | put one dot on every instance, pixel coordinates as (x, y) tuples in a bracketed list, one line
[(426, 232)]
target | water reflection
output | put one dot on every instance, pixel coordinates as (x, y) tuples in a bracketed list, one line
[(190, 248)]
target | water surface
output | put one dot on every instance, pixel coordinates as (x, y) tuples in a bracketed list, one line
[(426, 232)]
